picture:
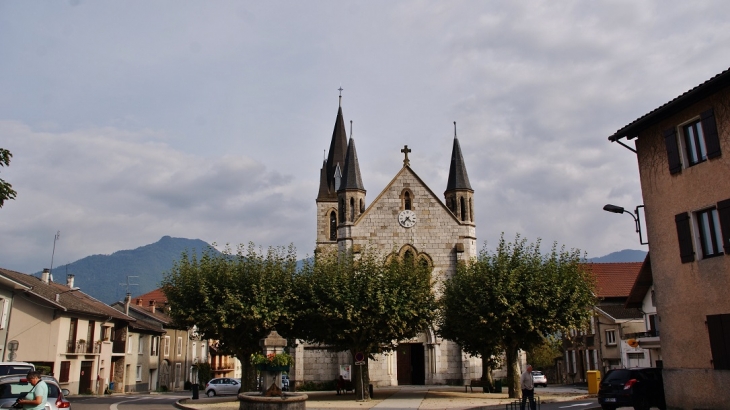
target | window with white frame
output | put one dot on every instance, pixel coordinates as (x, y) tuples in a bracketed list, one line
[(140, 345), (178, 348), (167, 345), (610, 337), (708, 230), (4, 309), (129, 343), (693, 140), (154, 346), (139, 373)]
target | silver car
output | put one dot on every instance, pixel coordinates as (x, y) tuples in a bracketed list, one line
[(539, 379), (221, 386), (16, 386)]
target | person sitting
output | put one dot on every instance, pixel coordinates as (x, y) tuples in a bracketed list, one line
[(340, 385)]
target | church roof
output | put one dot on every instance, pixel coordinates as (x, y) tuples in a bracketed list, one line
[(323, 189), (351, 178), (335, 156), (458, 178)]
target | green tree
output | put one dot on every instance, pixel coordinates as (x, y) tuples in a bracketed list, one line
[(363, 303), (6, 190), (543, 355), (518, 296), (236, 299)]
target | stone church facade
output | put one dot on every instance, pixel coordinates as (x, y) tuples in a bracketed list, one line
[(408, 217)]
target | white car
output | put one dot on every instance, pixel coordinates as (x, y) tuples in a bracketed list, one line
[(539, 379), (222, 385)]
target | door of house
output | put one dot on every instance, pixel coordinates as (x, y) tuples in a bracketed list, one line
[(85, 377), (411, 364)]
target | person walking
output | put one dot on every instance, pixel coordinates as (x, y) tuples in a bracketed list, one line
[(528, 388), (37, 397)]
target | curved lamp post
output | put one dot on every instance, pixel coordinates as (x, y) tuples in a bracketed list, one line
[(620, 210)]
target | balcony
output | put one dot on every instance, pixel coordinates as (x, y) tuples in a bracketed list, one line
[(82, 347), (119, 346)]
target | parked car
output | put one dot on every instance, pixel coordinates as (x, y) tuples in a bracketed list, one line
[(15, 387), (539, 379), (285, 382), (640, 388), (21, 368), (221, 386)]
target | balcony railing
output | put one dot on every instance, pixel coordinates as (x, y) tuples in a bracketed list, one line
[(638, 335), (82, 347)]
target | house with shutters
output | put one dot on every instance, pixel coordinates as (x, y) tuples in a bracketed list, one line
[(683, 149), (642, 297), (57, 327), (603, 345)]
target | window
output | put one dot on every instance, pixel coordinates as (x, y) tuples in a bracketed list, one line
[(154, 346), (129, 344), (352, 209), (708, 228), (139, 373), (178, 374), (106, 332), (4, 308), (407, 200), (65, 371), (718, 328), (610, 337), (140, 345), (698, 142), (167, 345), (712, 227), (333, 226), (463, 208), (178, 349)]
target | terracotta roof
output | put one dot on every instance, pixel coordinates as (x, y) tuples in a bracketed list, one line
[(614, 279), (643, 283), (702, 91), (157, 295), (71, 300)]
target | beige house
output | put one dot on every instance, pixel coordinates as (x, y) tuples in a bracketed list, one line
[(642, 298), (683, 151), (61, 328)]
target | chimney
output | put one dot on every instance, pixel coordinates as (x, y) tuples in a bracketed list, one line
[(70, 281), (152, 305), (127, 299), (44, 276), (138, 302)]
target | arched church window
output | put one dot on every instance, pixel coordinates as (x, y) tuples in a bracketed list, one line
[(463, 208), (352, 209), (362, 205), (452, 204), (407, 197), (333, 226), (471, 210), (408, 257)]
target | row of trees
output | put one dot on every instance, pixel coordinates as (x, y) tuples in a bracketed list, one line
[(499, 302)]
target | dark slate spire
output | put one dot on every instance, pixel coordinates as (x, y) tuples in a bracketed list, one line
[(337, 152), (458, 178), (323, 189), (351, 174)]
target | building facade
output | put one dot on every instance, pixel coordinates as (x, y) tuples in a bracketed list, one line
[(683, 150), (408, 218)]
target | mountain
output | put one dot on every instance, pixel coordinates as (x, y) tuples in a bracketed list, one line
[(626, 255), (105, 277)]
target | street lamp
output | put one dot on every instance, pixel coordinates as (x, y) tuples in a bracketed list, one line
[(620, 210)]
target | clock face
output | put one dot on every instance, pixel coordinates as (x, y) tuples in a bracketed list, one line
[(407, 218)]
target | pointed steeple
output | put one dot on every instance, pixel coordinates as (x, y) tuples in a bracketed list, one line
[(458, 178), (323, 190), (337, 152), (351, 178)]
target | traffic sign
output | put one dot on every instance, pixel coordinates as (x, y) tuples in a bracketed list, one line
[(359, 359)]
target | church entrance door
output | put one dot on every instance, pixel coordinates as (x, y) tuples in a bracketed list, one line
[(411, 364)]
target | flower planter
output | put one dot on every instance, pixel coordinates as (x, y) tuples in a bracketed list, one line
[(271, 368)]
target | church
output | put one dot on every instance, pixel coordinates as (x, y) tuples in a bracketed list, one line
[(409, 217)]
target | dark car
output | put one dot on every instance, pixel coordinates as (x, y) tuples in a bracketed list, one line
[(640, 388)]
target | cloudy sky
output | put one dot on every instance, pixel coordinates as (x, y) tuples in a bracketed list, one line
[(131, 120)]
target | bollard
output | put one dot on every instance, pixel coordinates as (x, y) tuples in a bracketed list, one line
[(195, 391), (370, 390)]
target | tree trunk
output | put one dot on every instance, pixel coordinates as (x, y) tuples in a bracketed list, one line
[(248, 372), (487, 378), (513, 371)]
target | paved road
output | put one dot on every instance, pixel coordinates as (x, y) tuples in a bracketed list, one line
[(126, 402)]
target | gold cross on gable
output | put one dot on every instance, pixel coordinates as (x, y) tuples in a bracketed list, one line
[(406, 150)]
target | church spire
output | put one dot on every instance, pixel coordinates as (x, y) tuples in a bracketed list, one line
[(335, 156), (351, 178), (458, 178)]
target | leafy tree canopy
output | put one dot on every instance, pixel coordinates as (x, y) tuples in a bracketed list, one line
[(515, 297), (236, 299), (6, 190), (363, 303)]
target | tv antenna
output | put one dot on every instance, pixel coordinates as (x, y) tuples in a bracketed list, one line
[(129, 284), (55, 238)]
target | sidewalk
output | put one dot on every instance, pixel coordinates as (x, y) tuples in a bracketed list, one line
[(402, 397)]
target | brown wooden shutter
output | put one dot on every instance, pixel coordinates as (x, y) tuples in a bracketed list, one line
[(723, 211), (65, 370), (709, 129), (718, 328), (670, 140), (684, 235)]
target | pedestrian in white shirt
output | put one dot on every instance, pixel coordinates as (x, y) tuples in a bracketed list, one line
[(528, 388)]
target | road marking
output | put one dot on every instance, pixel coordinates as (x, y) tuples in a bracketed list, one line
[(576, 405), (115, 406)]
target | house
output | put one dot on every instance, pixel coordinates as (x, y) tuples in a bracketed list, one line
[(63, 330), (642, 297), (189, 348), (683, 152), (603, 344)]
